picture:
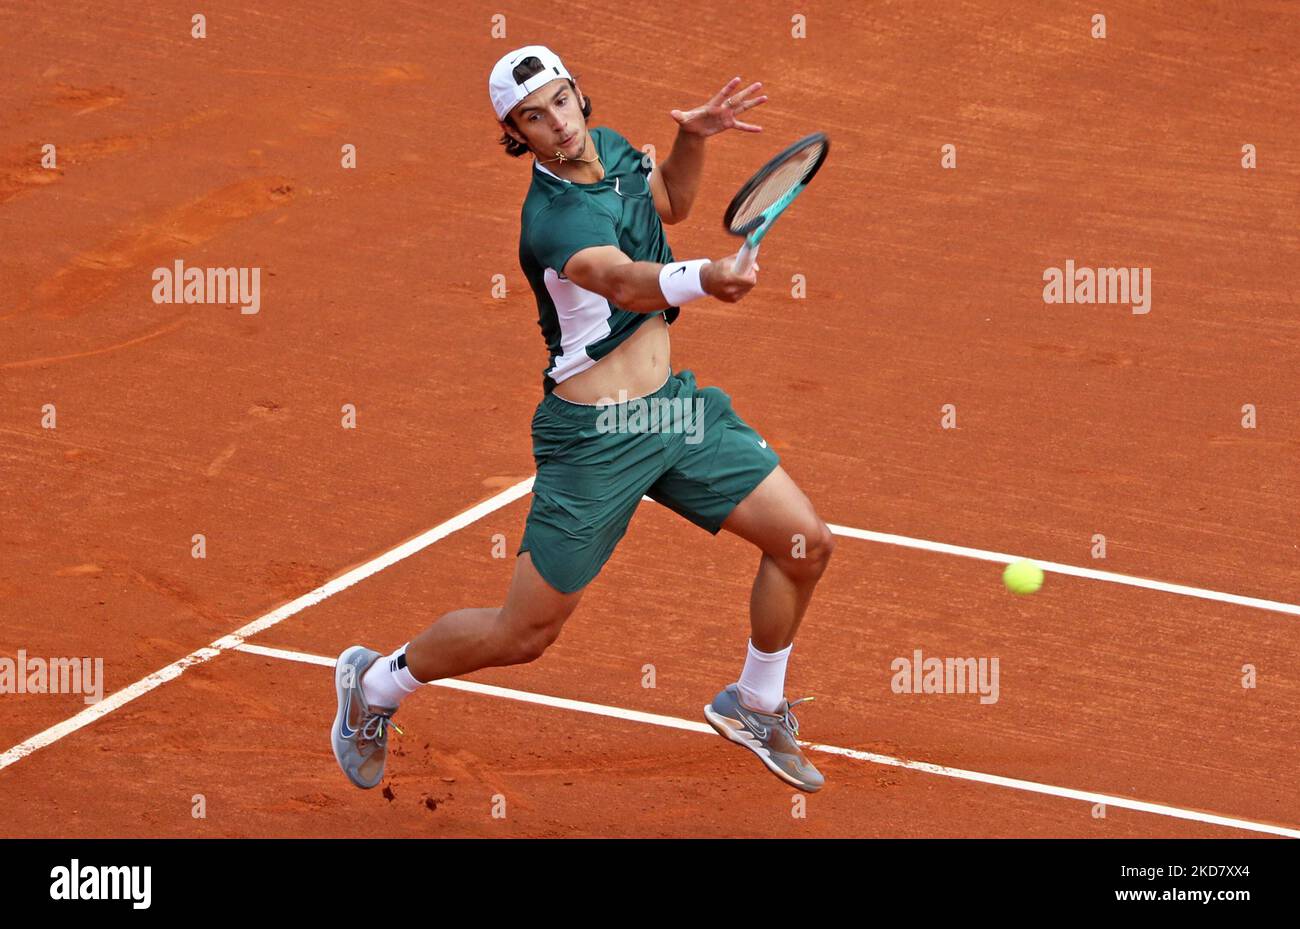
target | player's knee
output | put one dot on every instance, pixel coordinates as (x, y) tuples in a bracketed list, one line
[(529, 641), (828, 543), (531, 647), (821, 547), (811, 554)]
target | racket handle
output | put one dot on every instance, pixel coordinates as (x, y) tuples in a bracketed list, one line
[(745, 258)]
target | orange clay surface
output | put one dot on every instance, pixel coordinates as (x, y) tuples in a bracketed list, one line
[(924, 288)]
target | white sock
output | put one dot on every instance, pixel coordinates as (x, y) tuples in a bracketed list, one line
[(388, 681), (762, 683)]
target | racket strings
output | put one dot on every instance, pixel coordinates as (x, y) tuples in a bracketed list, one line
[(779, 182)]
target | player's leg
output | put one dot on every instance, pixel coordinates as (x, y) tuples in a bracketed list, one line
[(576, 518), (466, 640), (369, 687), (587, 487), (731, 479), (796, 547), (518, 631)]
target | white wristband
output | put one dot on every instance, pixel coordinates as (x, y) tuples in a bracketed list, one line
[(680, 281)]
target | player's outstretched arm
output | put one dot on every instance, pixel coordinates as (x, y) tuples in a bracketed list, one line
[(676, 182), (648, 287)]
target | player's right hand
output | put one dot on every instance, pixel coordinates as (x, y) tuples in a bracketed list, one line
[(718, 280)]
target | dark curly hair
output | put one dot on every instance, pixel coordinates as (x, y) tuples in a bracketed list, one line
[(515, 148)]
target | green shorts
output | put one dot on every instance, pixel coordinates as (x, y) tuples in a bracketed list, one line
[(682, 446)]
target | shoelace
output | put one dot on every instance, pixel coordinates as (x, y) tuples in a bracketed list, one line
[(790, 719), (374, 726)]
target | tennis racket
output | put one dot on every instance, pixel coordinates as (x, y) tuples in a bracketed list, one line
[(770, 191)]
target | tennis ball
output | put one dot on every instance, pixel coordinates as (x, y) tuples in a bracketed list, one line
[(1023, 577)]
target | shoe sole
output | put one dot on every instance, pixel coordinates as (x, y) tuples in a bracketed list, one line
[(731, 729), (343, 662)]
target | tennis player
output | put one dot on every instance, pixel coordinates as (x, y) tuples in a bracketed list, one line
[(592, 246)]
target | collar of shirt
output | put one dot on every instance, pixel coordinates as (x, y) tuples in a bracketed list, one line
[(545, 170), (598, 185)]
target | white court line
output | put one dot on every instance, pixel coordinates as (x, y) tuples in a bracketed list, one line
[(1089, 573), (262, 623), (673, 722)]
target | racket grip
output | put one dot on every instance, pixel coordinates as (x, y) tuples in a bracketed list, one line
[(745, 258)]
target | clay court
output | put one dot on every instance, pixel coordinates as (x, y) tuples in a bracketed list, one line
[(1122, 710)]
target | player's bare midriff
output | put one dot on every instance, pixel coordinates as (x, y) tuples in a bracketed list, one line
[(639, 366)]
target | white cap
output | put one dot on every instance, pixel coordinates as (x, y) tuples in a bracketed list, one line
[(506, 91)]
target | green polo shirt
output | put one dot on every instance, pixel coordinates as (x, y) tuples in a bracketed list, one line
[(563, 217)]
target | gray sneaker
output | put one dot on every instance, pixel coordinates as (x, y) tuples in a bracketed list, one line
[(770, 736), (360, 733)]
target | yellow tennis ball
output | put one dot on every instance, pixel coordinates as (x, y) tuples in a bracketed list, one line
[(1023, 577)]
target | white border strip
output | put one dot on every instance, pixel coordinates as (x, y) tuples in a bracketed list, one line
[(262, 623), (673, 722), (1089, 573)]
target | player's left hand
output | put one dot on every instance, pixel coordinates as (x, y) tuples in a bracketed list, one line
[(720, 113)]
